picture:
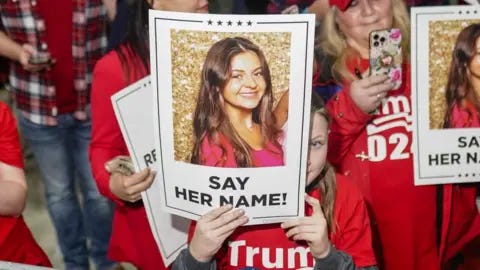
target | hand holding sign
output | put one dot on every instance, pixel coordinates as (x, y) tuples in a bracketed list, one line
[(129, 187), (312, 229), (212, 229)]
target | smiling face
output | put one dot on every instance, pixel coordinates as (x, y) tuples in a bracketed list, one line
[(317, 154), (246, 85), (192, 6), (361, 18)]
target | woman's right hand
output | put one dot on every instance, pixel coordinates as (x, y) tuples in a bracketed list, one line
[(212, 229), (369, 92), (124, 182)]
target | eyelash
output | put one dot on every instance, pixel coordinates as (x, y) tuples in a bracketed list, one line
[(353, 3), (316, 144), (240, 76)]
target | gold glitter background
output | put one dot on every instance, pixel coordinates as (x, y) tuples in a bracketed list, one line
[(442, 37), (189, 48)]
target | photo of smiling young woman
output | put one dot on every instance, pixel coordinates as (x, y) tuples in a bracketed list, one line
[(233, 123)]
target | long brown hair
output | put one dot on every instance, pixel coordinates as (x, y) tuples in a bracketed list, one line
[(326, 180), (133, 50), (210, 119), (459, 88)]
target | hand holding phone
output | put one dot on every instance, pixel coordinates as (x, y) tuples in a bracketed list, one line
[(386, 54), (40, 58)]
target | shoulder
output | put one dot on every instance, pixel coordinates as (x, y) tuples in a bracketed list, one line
[(4, 110), (6, 116), (109, 61), (215, 144), (347, 192)]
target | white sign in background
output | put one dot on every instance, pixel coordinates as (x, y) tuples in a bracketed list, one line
[(440, 155), (185, 189), (133, 109)]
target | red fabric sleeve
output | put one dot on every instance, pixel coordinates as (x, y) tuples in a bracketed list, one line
[(10, 148), (107, 140), (348, 121), (18, 245), (354, 234)]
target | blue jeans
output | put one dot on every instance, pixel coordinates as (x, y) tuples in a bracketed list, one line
[(61, 153)]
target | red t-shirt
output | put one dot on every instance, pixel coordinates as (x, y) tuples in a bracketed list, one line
[(266, 246), (16, 242)]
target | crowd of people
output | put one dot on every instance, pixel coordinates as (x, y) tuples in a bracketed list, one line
[(362, 212)]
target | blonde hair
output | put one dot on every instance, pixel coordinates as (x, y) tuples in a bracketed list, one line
[(332, 42), (327, 182)]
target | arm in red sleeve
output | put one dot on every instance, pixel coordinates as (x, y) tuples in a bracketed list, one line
[(354, 235), (348, 121), (107, 140), (13, 186)]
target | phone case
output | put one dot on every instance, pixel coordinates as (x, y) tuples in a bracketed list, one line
[(39, 58), (386, 54)]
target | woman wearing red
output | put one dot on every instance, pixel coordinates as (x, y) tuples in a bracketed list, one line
[(132, 240), (16, 242), (415, 227)]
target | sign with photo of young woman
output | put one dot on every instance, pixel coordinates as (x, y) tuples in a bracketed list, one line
[(224, 87), (446, 94)]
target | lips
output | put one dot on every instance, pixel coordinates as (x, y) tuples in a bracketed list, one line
[(248, 94)]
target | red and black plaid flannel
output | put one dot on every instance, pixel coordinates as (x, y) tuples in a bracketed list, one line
[(35, 92)]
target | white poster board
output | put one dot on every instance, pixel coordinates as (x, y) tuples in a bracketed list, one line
[(133, 109), (179, 43), (442, 155)]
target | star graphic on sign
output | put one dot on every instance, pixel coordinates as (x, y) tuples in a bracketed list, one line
[(249, 23), (239, 23), (229, 23), (219, 22), (210, 22)]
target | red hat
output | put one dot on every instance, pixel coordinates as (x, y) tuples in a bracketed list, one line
[(340, 4)]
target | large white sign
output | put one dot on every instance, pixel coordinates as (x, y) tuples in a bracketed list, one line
[(179, 45), (446, 139), (133, 109)]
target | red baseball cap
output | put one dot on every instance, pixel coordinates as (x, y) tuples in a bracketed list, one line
[(340, 4)]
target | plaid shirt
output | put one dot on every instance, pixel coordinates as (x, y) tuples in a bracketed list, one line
[(35, 92)]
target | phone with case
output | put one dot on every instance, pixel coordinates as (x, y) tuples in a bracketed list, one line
[(386, 54), (40, 58)]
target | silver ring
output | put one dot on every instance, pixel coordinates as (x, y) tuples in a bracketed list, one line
[(378, 97)]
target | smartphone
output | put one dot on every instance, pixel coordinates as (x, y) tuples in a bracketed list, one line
[(40, 58), (386, 54)]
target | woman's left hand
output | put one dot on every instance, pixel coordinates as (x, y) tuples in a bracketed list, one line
[(312, 229)]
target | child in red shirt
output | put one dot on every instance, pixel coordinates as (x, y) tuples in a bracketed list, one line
[(334, 234)]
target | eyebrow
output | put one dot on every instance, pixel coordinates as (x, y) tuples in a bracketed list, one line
[(318, 137), (242, 70)]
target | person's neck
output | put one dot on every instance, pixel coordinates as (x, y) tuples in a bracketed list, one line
[(362, 51), (240, 118)]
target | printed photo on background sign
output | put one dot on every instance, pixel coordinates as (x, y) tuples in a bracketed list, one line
[(446, 89), (223, 101)]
